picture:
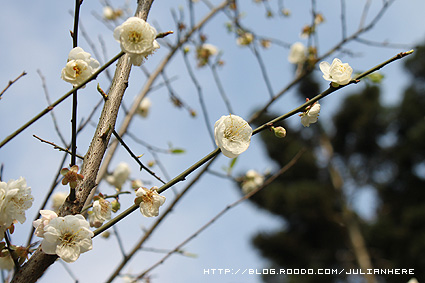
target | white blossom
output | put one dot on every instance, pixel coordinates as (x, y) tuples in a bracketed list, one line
[(204, 52), (338, 73), (67, 237), (252, 181), (232, 135), (40, 224), (79, 66), (137, 39), (311, 115), (150, 201), (58, 199), (108, 13), (245, 39), (136, 184), (297, 53), (144, 107), (15, 198), (119, 176), (212, 49), (100, 213)]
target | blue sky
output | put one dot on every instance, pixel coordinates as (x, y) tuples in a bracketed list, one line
[(35, 36)]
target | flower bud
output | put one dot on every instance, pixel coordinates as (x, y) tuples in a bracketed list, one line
[(279, 132)]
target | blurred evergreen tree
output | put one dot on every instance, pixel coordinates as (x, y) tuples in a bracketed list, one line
[(381, 147)]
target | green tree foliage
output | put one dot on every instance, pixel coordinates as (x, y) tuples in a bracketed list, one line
[(381, 147)]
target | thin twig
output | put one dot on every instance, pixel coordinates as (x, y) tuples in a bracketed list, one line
[(220, 87), (52, 113), (12, 82), (343, 20), (58, 147), (135, 157), (200, 96)]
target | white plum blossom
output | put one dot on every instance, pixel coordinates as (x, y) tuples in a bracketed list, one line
[(232, 135), (15, 198), (79, 67), (212, 49), (119, 176), (204, 52), (311, 115), (40, 224), (136, 184), (338, 73), (58, 199), (100, 213), (144, 106), (137, 39), (67, 237), (297, 53), (110, 14), (150, 201), (252, 181), (245, 39)]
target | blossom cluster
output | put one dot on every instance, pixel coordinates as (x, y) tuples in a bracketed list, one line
[(15, 199)]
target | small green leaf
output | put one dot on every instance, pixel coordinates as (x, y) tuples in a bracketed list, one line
[(177, 151)]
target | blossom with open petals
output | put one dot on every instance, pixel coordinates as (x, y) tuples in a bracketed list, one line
[(79, 66), (71, 176), (297, 53), (149, 201), (100, 213), (39, 224), (119, 176), (338, 73), (67, 237), (311, 115), (137, 39), (15, 199), (232, 135)]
